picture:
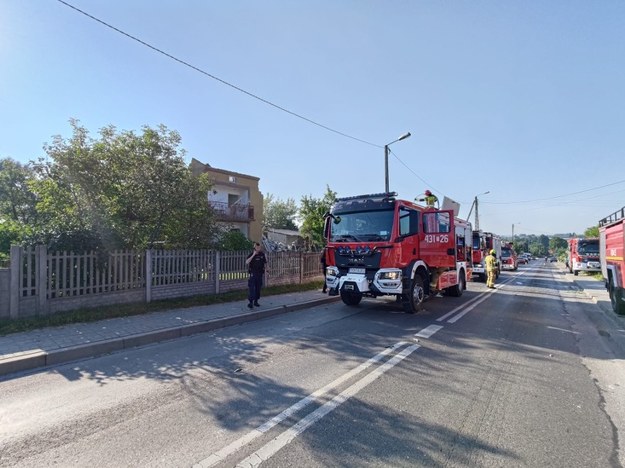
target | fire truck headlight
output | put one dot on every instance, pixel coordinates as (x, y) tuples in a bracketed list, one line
[(332, 271), (390, 275)]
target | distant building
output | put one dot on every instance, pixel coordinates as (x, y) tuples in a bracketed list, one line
[(284, 239), (235, 199)]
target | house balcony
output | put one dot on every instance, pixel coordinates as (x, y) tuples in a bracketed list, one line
[(238, 212)]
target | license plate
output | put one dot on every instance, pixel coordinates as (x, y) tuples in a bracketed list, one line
[(357, 271), (349, 287)]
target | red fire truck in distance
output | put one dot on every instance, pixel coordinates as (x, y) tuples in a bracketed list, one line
[(483, 243), (583, 255), (378, 245), (508, 257), (612, 253)]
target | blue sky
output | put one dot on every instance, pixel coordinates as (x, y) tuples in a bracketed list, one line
[(525, 100)]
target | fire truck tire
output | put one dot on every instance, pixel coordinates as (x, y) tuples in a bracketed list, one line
[(616, 301), (351, 299), (412, 301), (456, 291)]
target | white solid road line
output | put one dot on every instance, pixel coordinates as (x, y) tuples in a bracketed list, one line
[(271, 448), (467, 307), (428, 331), (460, 307), (236, 445)]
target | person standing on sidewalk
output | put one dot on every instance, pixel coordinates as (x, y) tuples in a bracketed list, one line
[(490, 261), (324, 264), (256, 262)]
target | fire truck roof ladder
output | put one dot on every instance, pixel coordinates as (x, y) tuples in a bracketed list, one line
[(613, 218)]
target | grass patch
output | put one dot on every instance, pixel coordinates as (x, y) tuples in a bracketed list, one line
[(85, 315)]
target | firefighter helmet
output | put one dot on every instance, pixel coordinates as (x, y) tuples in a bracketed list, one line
[(492, 251)]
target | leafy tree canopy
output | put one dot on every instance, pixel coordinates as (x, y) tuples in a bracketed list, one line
[(234, 240), (312, 211), (122, 190), (556, 243), (592, 231), (279, 214)]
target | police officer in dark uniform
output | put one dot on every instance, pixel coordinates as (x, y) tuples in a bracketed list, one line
[(256, 262)]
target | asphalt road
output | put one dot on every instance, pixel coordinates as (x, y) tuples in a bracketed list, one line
[(531, 374)]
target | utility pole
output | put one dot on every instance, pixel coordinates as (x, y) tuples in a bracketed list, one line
[(477, 217)]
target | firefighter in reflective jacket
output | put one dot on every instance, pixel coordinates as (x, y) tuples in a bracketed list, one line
[(490, 261), (430, 199)]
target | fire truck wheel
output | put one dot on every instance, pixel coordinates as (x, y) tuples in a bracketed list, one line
[(617, 304), (456, 291), (412, 301), (351, 299)]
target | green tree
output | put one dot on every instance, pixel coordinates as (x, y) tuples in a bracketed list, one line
[(312, 211), (557, 243), (520, 246), (234, 240), (279, 214), (592, 231), (17, 200), (543, 240), (17, 204), (122, 190), (538, 250)]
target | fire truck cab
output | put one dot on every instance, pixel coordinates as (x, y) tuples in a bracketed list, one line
[(378, 245), (483, 243), (612, 252), (583, 255)]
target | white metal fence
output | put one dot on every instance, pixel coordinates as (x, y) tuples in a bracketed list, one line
[(41, 282)]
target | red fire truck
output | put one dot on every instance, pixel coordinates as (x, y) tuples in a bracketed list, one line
[(612, 252), (583, 255), (483, 243), (508, 257), (379, 245)]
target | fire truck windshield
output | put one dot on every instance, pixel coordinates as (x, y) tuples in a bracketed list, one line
[(588, 248), (362, 226)]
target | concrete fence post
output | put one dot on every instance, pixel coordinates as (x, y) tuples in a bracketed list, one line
[(301, 267), (15, 283), (148, 276), (41, 255), (217, 268)]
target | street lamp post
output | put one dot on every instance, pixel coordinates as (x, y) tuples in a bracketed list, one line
[(477, 218), (513, 231), (386, 151)]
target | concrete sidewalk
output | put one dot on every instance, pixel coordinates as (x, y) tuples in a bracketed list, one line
[(56, 345)]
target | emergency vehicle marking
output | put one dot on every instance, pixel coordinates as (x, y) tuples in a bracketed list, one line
[(434, 238)]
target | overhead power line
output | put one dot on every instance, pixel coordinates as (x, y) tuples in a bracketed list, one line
[(193, 67), (414, 173), (557, 196)]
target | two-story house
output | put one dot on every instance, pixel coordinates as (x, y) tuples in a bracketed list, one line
[(235, 199)]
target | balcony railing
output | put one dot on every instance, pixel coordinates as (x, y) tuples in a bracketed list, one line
[(241, 212)]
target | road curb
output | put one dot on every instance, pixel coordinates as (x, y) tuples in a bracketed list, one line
[(19, 362)]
